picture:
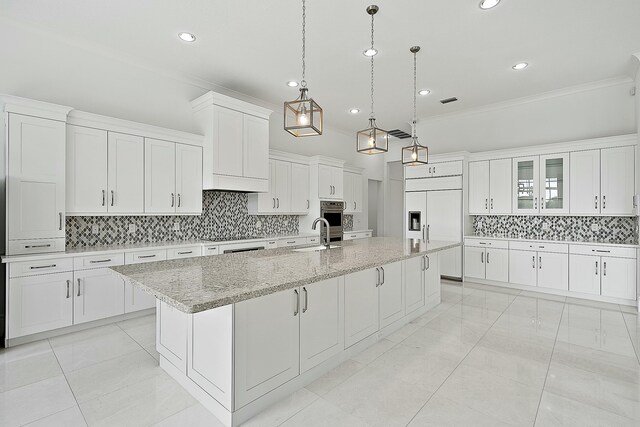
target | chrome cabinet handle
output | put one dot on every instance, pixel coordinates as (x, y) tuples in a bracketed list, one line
[(179, 200), (60, 221), (596, 202), (307, 203), (274, 203), (278, 203), (212, 248), (173, 200), (104, 196), (78, 286), (113, 197), (146, 256), (428, 262), (423, 263), (382, 268), (185, 253), (604, 202), (42, 266), (68, 284), (428, 233), (601, 250), (492, 203), (378, 275), (424, 232), (354, 206), (540, 262), (297, 310), (533, 261), (486, 203), (98, 261), (596, 268), (306, 300), (488, 257), (604, 263), (434, 169), (482, 257), (535, 203), (48, 245)]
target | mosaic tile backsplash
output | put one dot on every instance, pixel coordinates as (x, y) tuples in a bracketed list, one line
[(577, 228), (347, 222), (224, 217)]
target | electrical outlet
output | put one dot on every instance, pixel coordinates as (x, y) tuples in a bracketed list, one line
[(132, 228), (258, 224), (595, 227), (545, 226), (95, 229), (176, 226)]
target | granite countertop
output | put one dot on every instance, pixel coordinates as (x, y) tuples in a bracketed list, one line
[(198, 284), (572, 242)]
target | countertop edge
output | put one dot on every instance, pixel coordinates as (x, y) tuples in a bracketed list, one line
[(565, 242)]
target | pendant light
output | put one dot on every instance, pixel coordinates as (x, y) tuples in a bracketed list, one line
[(414, 154), (303, 117), (372, 140)]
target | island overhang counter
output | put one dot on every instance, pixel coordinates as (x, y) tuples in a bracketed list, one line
[(240, 331)]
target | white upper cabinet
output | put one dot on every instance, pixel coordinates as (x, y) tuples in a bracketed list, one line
[(554, 183), (283, 186), (352, 192), (330, 182), (617, 184), (125, 176), (160, 176), (299, 188), (236, 145), (500, 186), (479, 188), (36, 178), (585, 182), (526, 189), (434, 170), (188, 178), (86, 170)]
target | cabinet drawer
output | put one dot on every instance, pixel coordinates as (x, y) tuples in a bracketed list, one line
[(31, 268), (145, 256), (426, 184), (286, 243), (611, 251), (23, 247), (484, 243), (95, 261), (540, 247), (210, 250), (186, 252)]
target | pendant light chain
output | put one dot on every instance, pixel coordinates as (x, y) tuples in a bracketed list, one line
[(303, 82), (372, 115), (414, 93)]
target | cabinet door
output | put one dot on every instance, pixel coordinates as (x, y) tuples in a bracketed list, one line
[(553, 271), (325, 186), (554, 183), (474, 266), (391, 297), (451, 262), (267, 201), (337, 178), (584, 274), (256, 147), (479, 188), (447, 169), (228, 153), (126, 173), (358, 190), (360, 305), (523, 267), (299, 188), (526, 180), (414, 283), (283, 186), (321, 322), (39, 303), (584, 182), (500, 193), (349, 204), (497, 265), (444, 215), (159, 176), (98, 294), (136, 299), (617, 180), (619, 278), (188, 179), (432, 275), (36, 178), (416, 218), (267, 344), (86, 170)]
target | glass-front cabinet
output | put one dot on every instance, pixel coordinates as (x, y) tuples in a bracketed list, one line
[(541, 184)]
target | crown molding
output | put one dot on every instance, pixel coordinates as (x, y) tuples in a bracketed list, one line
[(32, 107), (288, 157), (324, 160), (600, 84), (214, 98)]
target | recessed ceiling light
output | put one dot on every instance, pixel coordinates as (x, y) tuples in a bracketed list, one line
[(520, 66), (354, 110), (488, 4), (292, 83), (187, 37), (424, 92), (370, 52)]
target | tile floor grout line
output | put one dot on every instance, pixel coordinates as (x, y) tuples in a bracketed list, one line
[(463, 359), (64, 374), (633, 344), (544, 384), (301, 409)]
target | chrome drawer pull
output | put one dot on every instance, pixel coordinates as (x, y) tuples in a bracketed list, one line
[(147, 256), (68, 284), (48, 245), (601, 250), (185, 253), (42, 266), (97, 261), (297, 310), (78, 287)]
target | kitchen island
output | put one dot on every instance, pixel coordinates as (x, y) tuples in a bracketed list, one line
[(241, 331)]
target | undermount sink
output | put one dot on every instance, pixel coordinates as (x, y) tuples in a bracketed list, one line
[(315, 248)]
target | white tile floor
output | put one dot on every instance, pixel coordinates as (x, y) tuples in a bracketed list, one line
[(484, 357)]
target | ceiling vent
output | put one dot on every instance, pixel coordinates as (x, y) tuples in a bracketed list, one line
[(400, 134), (448, 100)]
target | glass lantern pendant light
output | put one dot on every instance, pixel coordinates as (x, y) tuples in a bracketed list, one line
[(414, 154), (303, 117), (372, 140)]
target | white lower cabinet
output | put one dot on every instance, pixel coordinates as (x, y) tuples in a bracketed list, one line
[(39, 303), (618, 278), (474, 262), (136, 299), (414, 284), (542, 269), (98, 294), (171, 334), (584, 273), (321, 322), (522, 268), (266, 352), (360, 305), (391, 294), (486, 263), (432, 276)]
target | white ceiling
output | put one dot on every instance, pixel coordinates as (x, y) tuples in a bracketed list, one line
[(253, 46)]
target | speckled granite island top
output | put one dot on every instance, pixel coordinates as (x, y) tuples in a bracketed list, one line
[(198, 284)]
